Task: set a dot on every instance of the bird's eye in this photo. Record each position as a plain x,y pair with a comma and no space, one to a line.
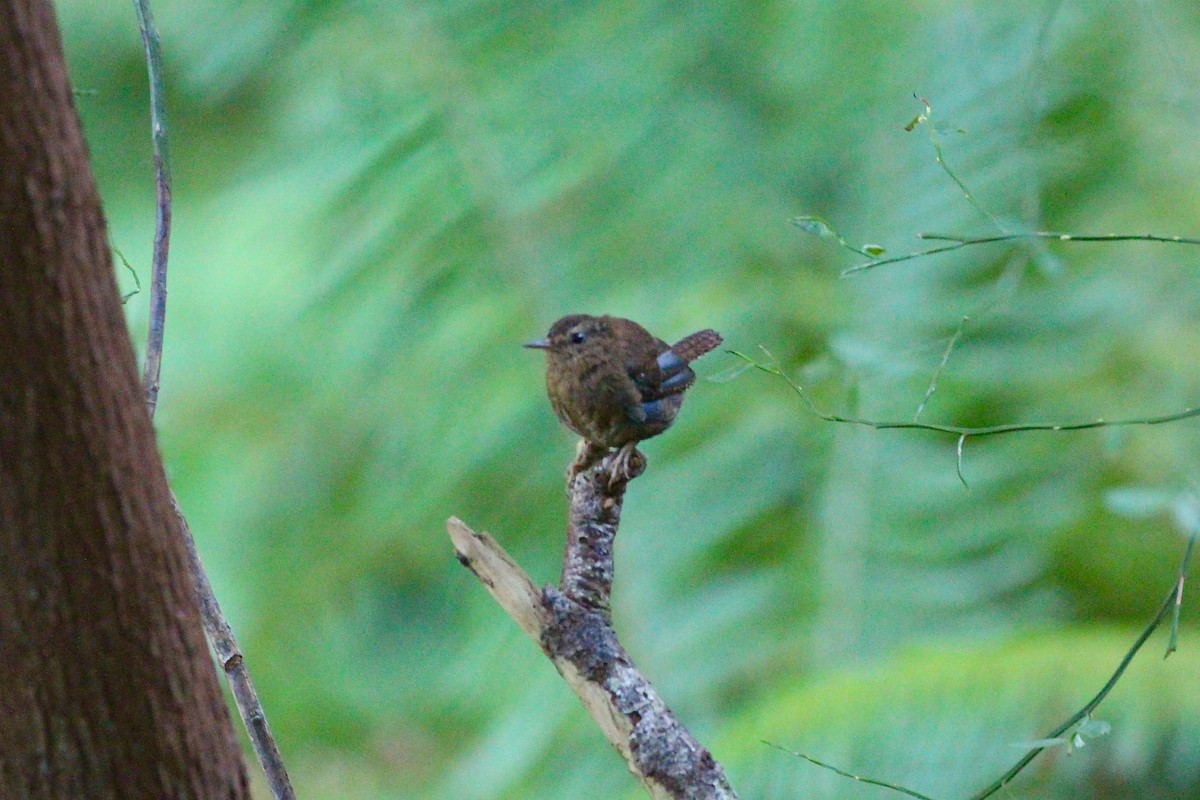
577,337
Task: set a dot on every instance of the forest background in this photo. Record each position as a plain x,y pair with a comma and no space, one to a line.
376,203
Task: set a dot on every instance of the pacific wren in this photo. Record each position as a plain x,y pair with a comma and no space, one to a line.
613,383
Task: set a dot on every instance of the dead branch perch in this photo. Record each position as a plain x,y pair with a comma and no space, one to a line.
572,626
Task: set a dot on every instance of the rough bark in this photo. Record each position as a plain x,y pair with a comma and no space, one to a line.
573,626
107,688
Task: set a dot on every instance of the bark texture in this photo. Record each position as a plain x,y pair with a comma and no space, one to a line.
573,626
107,689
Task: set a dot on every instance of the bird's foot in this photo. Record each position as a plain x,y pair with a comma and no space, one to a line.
623,465
626,465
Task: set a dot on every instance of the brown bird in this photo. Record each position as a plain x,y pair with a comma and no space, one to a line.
613,383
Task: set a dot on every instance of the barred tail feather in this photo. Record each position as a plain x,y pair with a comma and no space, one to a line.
689,348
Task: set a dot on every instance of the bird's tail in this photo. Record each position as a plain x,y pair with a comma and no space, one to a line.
689,348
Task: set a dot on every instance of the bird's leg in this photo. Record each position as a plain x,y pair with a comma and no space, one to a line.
627,464
586,454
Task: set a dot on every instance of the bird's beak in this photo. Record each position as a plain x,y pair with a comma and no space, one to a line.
538,344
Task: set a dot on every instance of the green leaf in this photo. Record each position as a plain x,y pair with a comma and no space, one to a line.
1092,728
815,226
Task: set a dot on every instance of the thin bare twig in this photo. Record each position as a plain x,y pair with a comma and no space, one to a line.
572,626
162,183
216,627
220,636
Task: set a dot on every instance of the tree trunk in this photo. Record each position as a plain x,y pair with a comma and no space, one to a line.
107,689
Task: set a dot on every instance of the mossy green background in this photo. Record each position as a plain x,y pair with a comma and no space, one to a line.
376,202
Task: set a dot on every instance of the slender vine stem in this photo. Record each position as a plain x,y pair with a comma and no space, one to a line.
964,430
959,242
895,787
1168,607
1169,603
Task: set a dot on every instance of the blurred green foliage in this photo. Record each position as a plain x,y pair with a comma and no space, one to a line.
376,202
